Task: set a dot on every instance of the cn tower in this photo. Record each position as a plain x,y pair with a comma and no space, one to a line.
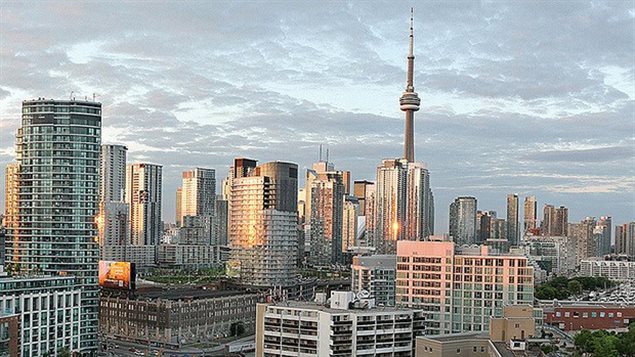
409,101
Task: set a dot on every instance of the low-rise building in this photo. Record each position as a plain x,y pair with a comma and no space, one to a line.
612,269
9,335
188,256
347,326
172,318
375,274
47,310
141,255
506,334
574,316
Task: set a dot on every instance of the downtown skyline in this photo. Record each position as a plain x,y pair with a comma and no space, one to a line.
501,111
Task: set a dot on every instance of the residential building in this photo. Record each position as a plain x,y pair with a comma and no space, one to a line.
48,313
179,200
325,213
58,150
583,234
513,233
263,222
556,255
188,256
484,225
112,169
460,289
530,222
198,193
360,189
171,317
615,270
463,220
375,274
144,195
602,235
555,221
220,222
10,342
348,326
141,255
350,214
625,239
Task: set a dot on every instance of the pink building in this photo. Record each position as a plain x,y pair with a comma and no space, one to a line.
460,289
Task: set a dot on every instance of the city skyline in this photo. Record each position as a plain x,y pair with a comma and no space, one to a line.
561,126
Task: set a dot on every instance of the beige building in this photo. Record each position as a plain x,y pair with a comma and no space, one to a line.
506,334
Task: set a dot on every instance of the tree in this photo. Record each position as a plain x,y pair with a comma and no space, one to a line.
64,352
575,287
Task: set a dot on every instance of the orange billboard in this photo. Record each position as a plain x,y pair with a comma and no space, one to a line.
116,275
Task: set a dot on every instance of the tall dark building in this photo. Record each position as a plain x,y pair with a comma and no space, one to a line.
513,233
58,147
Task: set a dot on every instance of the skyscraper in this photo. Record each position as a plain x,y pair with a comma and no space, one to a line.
561,226
326,206
602,234
390,203
350,215
530,214
263,222
582,233
114,214
420,203
57,199
112,167
512,219
463,220
359,190
144,195
555,221
179,215
198,192
625,239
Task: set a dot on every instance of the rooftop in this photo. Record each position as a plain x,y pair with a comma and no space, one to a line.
186,293
458,336
321,307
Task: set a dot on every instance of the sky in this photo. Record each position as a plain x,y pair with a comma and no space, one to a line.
527,97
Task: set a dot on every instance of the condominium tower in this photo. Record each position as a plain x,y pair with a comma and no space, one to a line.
57,199
513,234
114,214
263,222
530,214
463,220
198,193
144,194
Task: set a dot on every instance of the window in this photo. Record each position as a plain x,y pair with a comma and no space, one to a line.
602,314
619,314
458,350
558,314
567,314
610,314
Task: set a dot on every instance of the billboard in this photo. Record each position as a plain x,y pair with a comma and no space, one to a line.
117,275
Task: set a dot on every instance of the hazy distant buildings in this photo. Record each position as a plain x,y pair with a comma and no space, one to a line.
263,222
350,214
513,234
583,234
555,221
179,199
58,151
463,220
530,214
144,194
625,239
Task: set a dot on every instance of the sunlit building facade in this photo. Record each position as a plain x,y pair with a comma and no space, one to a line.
143,194
54,230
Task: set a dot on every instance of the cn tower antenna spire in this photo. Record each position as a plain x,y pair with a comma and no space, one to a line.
409,101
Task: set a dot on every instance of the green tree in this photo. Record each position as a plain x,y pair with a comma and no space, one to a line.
575,287
64,352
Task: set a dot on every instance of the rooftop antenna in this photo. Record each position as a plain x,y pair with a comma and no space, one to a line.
93,96
320,159
71,96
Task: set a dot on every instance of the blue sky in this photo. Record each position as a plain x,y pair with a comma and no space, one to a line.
526,97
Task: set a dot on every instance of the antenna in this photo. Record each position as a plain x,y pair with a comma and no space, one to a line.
320,159
71,96
93,96
327,155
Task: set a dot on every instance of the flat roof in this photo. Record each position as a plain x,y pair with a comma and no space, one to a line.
457,336
182,293
321,307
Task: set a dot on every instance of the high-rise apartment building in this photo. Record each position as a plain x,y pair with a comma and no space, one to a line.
179,214
57,200
263,222
11,195
324,209
198,192
113,221
530,214
360,188
112,169
375,274
602,235
625,239
555,221
459,290
583,234
390,203
463,220
419,203
144,184
513,234
350,214
484,222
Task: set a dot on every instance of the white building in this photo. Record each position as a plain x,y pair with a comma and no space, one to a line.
198,193
49,313
611,269
377,275
141,255
345,327
555,254
188,256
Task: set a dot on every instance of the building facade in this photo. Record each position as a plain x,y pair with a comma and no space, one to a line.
580,316
625,239
459,290
188,256
344,328
54,230
198,193
530,213
612,269
463,220
513,232
144,184
263,223
375,274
